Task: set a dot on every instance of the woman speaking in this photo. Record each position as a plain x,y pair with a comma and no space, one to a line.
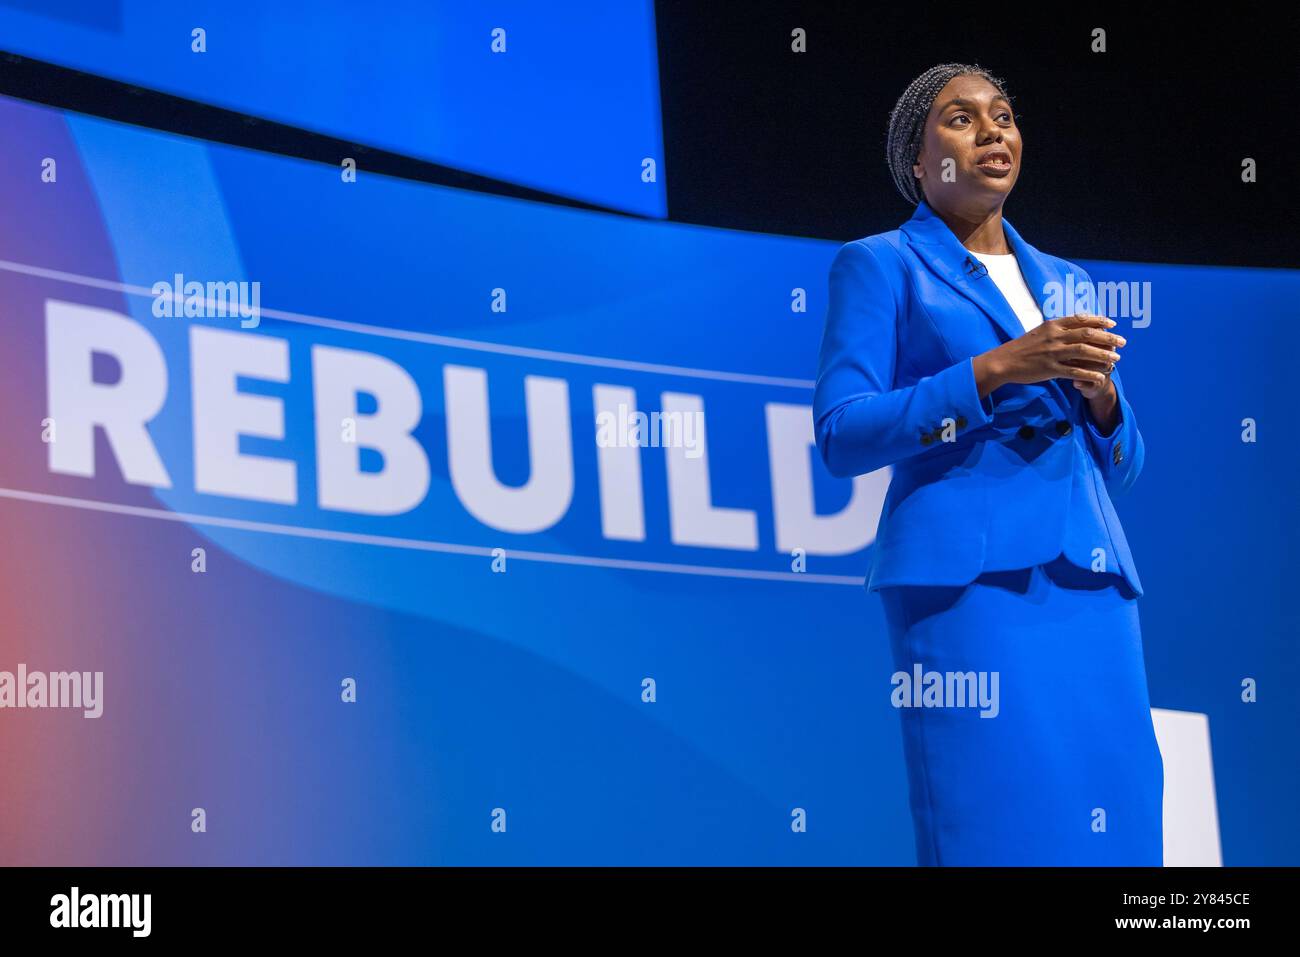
999,556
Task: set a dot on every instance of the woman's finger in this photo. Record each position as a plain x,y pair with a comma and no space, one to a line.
1093,336
1087,355
1075,371
1082,319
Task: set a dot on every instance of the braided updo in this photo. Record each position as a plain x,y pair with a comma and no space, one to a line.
907,121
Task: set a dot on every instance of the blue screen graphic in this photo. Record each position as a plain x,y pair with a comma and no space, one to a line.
563,98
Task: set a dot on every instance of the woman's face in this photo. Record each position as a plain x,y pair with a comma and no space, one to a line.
972,126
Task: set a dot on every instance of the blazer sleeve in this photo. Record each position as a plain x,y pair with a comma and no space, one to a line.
861,421
1120,453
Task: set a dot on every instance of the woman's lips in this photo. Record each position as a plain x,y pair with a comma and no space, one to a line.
998,166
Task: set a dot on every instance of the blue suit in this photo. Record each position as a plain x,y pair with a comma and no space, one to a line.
1010,481
998,554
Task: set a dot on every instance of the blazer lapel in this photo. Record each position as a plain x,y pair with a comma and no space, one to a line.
940,249
1041,276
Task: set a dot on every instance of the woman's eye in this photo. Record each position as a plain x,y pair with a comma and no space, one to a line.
960,116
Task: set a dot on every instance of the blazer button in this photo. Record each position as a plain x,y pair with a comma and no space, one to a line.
1062,427
927,438
961,421
1026,432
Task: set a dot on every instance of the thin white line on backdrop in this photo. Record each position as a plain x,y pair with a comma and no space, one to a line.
415,544
452,342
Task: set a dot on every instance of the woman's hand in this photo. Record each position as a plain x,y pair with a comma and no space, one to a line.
1093,390
1072,347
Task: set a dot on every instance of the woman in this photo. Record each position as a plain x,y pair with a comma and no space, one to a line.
999,558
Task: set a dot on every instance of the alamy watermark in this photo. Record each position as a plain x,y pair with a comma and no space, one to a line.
74,909
627,427
214,300
1115,300
946,689
57,689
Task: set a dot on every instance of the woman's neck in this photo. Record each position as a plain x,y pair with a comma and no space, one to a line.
980,234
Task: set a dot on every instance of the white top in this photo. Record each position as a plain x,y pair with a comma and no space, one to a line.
1005,271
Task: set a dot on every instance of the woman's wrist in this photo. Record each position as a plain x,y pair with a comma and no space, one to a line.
989,374
1104,409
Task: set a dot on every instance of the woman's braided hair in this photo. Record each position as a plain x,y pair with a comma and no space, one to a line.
907,121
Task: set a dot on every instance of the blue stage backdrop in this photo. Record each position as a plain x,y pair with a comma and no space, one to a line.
558,97
564,650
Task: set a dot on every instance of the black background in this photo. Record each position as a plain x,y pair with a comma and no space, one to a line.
1133,154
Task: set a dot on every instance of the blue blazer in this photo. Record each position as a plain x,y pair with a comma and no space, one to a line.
1008,481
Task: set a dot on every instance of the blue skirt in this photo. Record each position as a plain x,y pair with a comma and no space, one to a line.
1063,768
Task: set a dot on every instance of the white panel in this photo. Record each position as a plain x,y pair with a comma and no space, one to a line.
1190,810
